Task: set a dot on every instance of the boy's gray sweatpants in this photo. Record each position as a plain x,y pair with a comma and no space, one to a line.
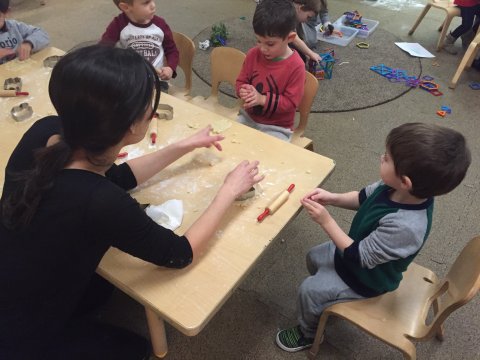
323,288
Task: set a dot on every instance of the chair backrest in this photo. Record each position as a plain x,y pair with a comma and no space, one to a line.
186,49
309,92
459,286
226,64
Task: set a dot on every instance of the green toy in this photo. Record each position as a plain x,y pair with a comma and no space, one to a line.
219,35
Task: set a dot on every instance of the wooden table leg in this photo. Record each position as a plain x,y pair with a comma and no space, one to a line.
158,336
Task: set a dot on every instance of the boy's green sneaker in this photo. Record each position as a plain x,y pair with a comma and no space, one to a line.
293,340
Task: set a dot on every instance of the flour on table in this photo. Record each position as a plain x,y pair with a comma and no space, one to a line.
17,65
207,158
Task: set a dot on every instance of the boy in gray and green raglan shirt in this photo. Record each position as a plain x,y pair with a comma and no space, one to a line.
393,220
18,39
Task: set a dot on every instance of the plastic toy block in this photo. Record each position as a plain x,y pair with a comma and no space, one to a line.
446,109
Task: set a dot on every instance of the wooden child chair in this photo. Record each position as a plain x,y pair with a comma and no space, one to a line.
451,11
403,315
186,49
226,64
309,92
467,59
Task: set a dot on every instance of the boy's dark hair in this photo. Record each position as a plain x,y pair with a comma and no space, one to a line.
4,5
274,18
310,5
117,2
435,158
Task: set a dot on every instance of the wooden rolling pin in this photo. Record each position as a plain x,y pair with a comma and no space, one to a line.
12,93
275,205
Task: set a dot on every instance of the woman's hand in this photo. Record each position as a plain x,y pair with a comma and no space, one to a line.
242,178
316,211
321,196
203,138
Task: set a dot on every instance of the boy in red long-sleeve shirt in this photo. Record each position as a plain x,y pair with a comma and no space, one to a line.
272,78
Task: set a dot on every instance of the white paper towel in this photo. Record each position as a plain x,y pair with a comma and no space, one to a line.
169,214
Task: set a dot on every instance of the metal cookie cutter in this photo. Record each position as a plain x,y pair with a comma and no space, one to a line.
51,61
21,112
13,84
164,111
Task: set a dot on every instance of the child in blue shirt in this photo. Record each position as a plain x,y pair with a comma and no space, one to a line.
18,39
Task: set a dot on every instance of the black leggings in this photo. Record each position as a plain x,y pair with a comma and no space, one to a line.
85,338
468,16
90,340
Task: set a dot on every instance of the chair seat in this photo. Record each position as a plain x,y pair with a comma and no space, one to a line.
399,309
302,141
404,315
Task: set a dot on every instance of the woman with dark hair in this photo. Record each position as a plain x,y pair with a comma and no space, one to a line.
64,203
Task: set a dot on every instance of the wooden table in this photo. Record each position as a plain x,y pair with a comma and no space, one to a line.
190,297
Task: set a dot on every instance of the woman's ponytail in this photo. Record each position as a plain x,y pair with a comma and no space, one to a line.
20,206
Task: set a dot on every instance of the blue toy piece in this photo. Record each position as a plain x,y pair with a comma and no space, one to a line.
381,69
326,64
316,69
475,85
446,109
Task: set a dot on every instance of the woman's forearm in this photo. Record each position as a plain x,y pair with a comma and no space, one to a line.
144,167
205,226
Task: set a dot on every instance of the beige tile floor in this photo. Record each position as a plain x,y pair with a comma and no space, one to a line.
245,327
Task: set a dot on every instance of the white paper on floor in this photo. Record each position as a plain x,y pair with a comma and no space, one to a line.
395,5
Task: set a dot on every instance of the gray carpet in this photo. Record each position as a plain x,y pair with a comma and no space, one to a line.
353,85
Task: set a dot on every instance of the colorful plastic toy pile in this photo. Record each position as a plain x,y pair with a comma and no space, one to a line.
354,19
399,75
323,69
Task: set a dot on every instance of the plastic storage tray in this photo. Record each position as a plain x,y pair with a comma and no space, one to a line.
371,25
348,35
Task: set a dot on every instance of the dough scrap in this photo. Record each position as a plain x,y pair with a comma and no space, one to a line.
221,125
